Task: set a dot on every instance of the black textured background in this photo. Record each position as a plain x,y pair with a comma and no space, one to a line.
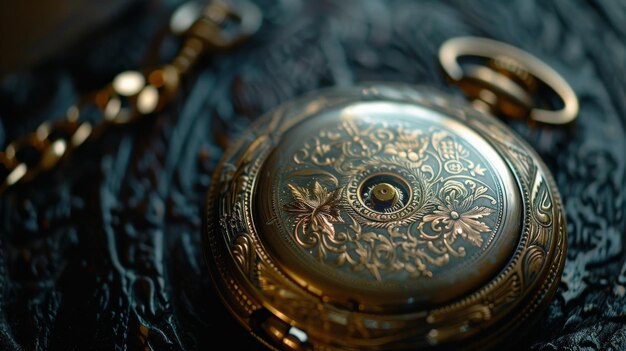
104,252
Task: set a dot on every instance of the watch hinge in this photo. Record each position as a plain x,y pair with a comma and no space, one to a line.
279,333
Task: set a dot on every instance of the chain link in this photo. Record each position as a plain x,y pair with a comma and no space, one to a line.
132,95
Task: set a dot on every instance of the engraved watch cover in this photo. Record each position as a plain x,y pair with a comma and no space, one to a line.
383,215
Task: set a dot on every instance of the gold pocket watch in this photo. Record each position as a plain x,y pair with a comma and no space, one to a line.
393,216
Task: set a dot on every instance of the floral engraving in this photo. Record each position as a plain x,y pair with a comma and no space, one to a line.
447,206
456,215
318,211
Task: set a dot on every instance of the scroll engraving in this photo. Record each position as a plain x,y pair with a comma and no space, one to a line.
387,200
441,198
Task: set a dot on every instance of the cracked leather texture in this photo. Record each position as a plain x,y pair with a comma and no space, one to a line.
105,252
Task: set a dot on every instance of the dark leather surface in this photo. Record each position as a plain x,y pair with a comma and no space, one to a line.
105,251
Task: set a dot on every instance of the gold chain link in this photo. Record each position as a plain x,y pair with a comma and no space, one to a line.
131,95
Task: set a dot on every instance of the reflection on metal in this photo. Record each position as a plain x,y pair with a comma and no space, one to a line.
384,216
128,83
512,75
147,99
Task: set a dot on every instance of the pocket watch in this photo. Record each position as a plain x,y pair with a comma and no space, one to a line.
379,216
393,216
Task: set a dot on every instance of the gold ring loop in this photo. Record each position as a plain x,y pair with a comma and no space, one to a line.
452,49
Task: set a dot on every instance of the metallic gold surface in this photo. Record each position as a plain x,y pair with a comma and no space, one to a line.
511,76
318,213
385,216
